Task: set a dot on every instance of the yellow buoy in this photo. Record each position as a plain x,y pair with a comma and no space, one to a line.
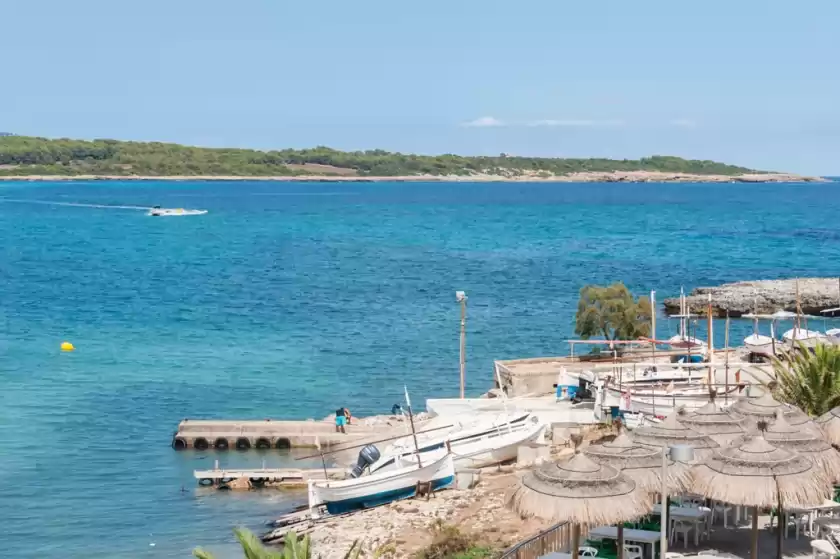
67,346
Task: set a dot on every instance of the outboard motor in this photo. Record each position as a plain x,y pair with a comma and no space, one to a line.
367,456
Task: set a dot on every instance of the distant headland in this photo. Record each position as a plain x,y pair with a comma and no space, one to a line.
31,158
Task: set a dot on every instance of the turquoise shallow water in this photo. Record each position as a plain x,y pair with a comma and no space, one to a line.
288,300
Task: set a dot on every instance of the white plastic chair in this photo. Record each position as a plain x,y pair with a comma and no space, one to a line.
681,528
721,508
586,551
633,551
798,519
704,525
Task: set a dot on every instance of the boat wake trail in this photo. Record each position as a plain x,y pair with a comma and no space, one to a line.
75,205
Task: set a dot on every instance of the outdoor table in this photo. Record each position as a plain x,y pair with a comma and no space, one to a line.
685,513
630,535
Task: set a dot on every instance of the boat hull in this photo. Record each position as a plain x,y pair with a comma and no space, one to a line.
381,488
808,338
489,450
760,345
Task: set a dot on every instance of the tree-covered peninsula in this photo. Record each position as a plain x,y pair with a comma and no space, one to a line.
30,156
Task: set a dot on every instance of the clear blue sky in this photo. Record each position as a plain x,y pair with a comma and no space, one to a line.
755,82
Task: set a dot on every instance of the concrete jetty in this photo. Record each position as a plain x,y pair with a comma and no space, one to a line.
768,296
204,434
220,434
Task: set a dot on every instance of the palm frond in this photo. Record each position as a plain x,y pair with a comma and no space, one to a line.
253,548
202,554
810,381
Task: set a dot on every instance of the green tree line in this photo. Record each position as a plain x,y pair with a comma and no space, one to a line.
23,155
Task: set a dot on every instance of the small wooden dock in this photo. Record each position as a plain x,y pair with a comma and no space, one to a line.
289,477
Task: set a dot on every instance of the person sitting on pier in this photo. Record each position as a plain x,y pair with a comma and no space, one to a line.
340,420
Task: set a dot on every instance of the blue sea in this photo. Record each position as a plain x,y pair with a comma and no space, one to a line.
289,300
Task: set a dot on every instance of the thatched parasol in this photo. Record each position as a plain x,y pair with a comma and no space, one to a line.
642,464
806,443
722,426
582,492
672,432
829,425
752,472
766,406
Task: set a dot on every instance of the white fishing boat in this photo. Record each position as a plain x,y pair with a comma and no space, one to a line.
683,340
757,343
380,488
473,450
660,402
640,375
157,211
459,427
808,338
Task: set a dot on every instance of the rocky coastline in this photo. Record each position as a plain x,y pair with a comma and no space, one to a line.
765,296
529,176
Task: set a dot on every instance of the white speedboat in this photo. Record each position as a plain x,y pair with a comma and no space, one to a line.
808,338
157,211
473,450
380,488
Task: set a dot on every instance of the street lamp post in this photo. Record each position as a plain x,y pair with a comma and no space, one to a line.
461,297
677,453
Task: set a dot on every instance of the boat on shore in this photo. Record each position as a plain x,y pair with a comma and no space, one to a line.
376,489
473,449
808,338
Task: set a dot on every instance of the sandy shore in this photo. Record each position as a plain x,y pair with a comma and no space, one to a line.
632,177
408,525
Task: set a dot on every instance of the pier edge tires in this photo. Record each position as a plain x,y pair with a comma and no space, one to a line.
221,444
263,443
179,443
283,444
243,444
201,444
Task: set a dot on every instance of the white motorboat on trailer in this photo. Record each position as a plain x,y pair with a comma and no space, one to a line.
380,488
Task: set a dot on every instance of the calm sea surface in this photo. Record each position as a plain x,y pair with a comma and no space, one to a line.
289,300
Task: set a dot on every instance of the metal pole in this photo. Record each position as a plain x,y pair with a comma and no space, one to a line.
663,529
726,343
653,325
463,343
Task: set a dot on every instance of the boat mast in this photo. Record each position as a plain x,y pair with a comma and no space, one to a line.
413,432
711,340
726,365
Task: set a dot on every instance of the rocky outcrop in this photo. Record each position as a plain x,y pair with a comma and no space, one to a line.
768,296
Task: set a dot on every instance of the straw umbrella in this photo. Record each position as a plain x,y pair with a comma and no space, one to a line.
754,473
582,492
765,407
722,426
642,464
806,443
672,432
829,425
